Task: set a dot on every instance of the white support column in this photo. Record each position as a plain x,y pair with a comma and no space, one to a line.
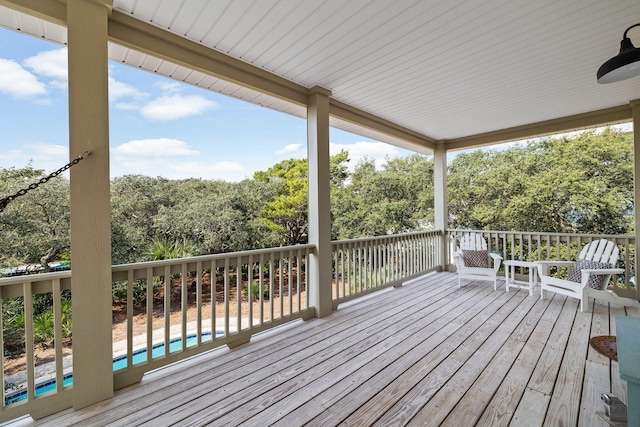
635,105
441,212
90,201
319,266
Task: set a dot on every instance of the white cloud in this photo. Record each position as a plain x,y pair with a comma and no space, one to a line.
18,82
176,107
48,157
159,147
119,90
225,170
169,86
50,63
622,127
131,106
292,150
171,159
377,151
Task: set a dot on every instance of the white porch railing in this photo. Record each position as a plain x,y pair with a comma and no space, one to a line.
364,265
174,309
556,247
233,296
22,391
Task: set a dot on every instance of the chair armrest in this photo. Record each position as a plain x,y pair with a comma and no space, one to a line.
607,272
590,271
557,263
543,266
497,260
458,260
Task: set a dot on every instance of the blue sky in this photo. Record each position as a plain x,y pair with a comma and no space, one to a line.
158,127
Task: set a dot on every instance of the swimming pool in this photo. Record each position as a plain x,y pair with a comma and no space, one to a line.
120,362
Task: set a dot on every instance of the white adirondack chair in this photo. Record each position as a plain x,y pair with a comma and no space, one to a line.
589,275
474,261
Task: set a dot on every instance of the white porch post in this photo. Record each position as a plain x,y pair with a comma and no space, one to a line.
319,265
90,204
635,105
441,211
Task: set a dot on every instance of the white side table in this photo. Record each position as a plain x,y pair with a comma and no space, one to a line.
510,273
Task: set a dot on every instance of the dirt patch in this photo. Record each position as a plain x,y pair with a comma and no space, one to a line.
271,309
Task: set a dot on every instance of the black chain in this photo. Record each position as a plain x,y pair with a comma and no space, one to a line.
4,202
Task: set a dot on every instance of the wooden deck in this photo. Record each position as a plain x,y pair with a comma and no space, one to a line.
427,353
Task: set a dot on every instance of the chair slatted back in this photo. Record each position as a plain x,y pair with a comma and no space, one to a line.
473,241
601,251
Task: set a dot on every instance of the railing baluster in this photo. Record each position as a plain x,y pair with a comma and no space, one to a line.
129,317
250,290
306,280
239,294
290,284
183,305
298,278
167,309
349,257
227,296
337,262
272,267
261,287
149,316
57,332
29,341
199,303
343,255
281,272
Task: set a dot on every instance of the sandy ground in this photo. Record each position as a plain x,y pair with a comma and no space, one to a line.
139,323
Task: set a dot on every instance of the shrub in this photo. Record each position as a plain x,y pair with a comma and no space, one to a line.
255,291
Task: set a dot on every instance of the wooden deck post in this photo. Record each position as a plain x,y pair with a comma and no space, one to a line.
635,106
441,211
90,204
319,266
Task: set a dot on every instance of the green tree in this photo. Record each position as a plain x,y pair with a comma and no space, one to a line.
287,214
135,202
34,227
393,199
578,185
217,216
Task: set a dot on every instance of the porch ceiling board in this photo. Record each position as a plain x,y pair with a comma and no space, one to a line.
460,71
447,70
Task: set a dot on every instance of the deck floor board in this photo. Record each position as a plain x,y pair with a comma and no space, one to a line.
426,353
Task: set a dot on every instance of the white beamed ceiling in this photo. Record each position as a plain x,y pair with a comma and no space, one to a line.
443,69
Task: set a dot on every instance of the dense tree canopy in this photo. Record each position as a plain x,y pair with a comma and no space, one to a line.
582,185
396,198
286,214
34,228
201,216
577,185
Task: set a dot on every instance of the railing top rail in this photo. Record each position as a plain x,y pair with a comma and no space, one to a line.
39,277
599,236
386,236
162,263
43,277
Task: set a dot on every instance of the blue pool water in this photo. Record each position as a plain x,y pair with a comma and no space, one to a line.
120,362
